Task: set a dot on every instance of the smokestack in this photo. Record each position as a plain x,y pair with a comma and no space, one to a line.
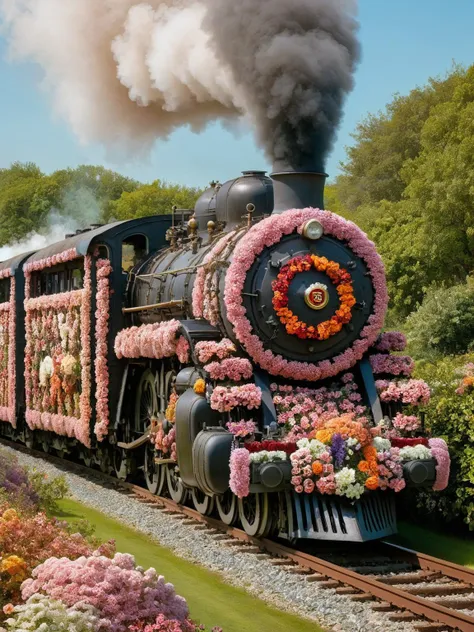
297,187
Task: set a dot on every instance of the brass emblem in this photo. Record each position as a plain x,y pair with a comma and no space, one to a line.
316,296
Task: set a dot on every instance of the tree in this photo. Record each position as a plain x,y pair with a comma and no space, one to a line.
157,198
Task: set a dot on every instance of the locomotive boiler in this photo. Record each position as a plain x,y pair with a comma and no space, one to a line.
226,353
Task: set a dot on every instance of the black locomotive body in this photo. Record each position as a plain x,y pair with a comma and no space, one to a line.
129,285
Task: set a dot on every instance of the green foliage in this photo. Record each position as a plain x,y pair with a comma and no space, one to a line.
453,418
49,490
444,323
157,198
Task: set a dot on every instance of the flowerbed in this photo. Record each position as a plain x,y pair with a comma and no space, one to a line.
52,579
7,356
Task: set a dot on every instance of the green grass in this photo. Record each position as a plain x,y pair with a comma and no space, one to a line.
447,547
210,600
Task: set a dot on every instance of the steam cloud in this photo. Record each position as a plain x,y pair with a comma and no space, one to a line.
124,73
79,209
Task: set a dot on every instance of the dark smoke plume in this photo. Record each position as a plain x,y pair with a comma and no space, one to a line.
293,61
125,72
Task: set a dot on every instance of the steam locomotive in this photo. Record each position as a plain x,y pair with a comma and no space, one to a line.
170,345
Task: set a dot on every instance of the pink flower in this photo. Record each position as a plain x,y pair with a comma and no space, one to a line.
205,350
440,452
393,365
241,428
407,423
8,608
391,341
308,486
235,369
224,399
299,489
240,472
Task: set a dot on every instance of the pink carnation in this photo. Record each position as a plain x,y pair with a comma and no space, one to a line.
439,450
391,341
240,472
235,369
393,365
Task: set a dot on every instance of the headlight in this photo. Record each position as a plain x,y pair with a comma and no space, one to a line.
313,229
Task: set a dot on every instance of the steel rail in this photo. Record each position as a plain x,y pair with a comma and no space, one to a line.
398,598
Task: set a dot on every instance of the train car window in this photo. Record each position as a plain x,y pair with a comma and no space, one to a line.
4,290
102,252
77,279
133,250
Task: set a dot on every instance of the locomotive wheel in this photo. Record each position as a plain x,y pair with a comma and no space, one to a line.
255,515
146,402
155,475
176,489
203,503
227,507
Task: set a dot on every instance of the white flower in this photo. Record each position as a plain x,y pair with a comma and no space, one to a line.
382,445
354,491
413,453
265,456
68,364
345,477
46,370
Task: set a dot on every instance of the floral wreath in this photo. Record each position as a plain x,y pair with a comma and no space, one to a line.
341,279
269,232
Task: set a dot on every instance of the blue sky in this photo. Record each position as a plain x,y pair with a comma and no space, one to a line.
404,42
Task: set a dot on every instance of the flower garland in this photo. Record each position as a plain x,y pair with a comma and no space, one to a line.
440,452
7,355
269,232
391,364
48,262
224,399
341,279
413,392
206,350
236,369
102,314
157,341
205,278
58,335
240,472
391,341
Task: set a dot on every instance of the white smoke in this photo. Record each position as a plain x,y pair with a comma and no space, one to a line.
79,209
124,72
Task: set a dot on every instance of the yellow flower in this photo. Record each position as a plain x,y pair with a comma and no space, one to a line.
324,436
200,386
9,514
13,565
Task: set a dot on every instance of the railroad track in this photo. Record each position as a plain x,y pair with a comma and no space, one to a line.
432,594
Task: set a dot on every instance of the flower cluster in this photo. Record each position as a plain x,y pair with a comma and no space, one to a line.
58,360
182,350
390,470
49,262
104,270
440,453
413,453
235,369
224,398
42,613
206,350
240,472
393,365
268,457
120,591
241,428
301,410
158,341
270,446
413,392
7,356
406,423
467,382
391,341
269,232
341,279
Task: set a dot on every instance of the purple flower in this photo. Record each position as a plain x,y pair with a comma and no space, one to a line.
338,449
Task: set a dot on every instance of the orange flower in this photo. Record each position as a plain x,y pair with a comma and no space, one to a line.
372,482
363,466
324,436
317,468
199,386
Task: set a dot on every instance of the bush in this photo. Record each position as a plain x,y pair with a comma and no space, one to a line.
44,614
444,323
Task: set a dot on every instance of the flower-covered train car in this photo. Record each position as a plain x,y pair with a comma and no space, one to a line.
240,367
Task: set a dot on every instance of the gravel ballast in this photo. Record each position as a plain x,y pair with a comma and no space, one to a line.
259,577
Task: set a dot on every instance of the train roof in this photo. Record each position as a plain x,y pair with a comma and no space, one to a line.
82,241
14,262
